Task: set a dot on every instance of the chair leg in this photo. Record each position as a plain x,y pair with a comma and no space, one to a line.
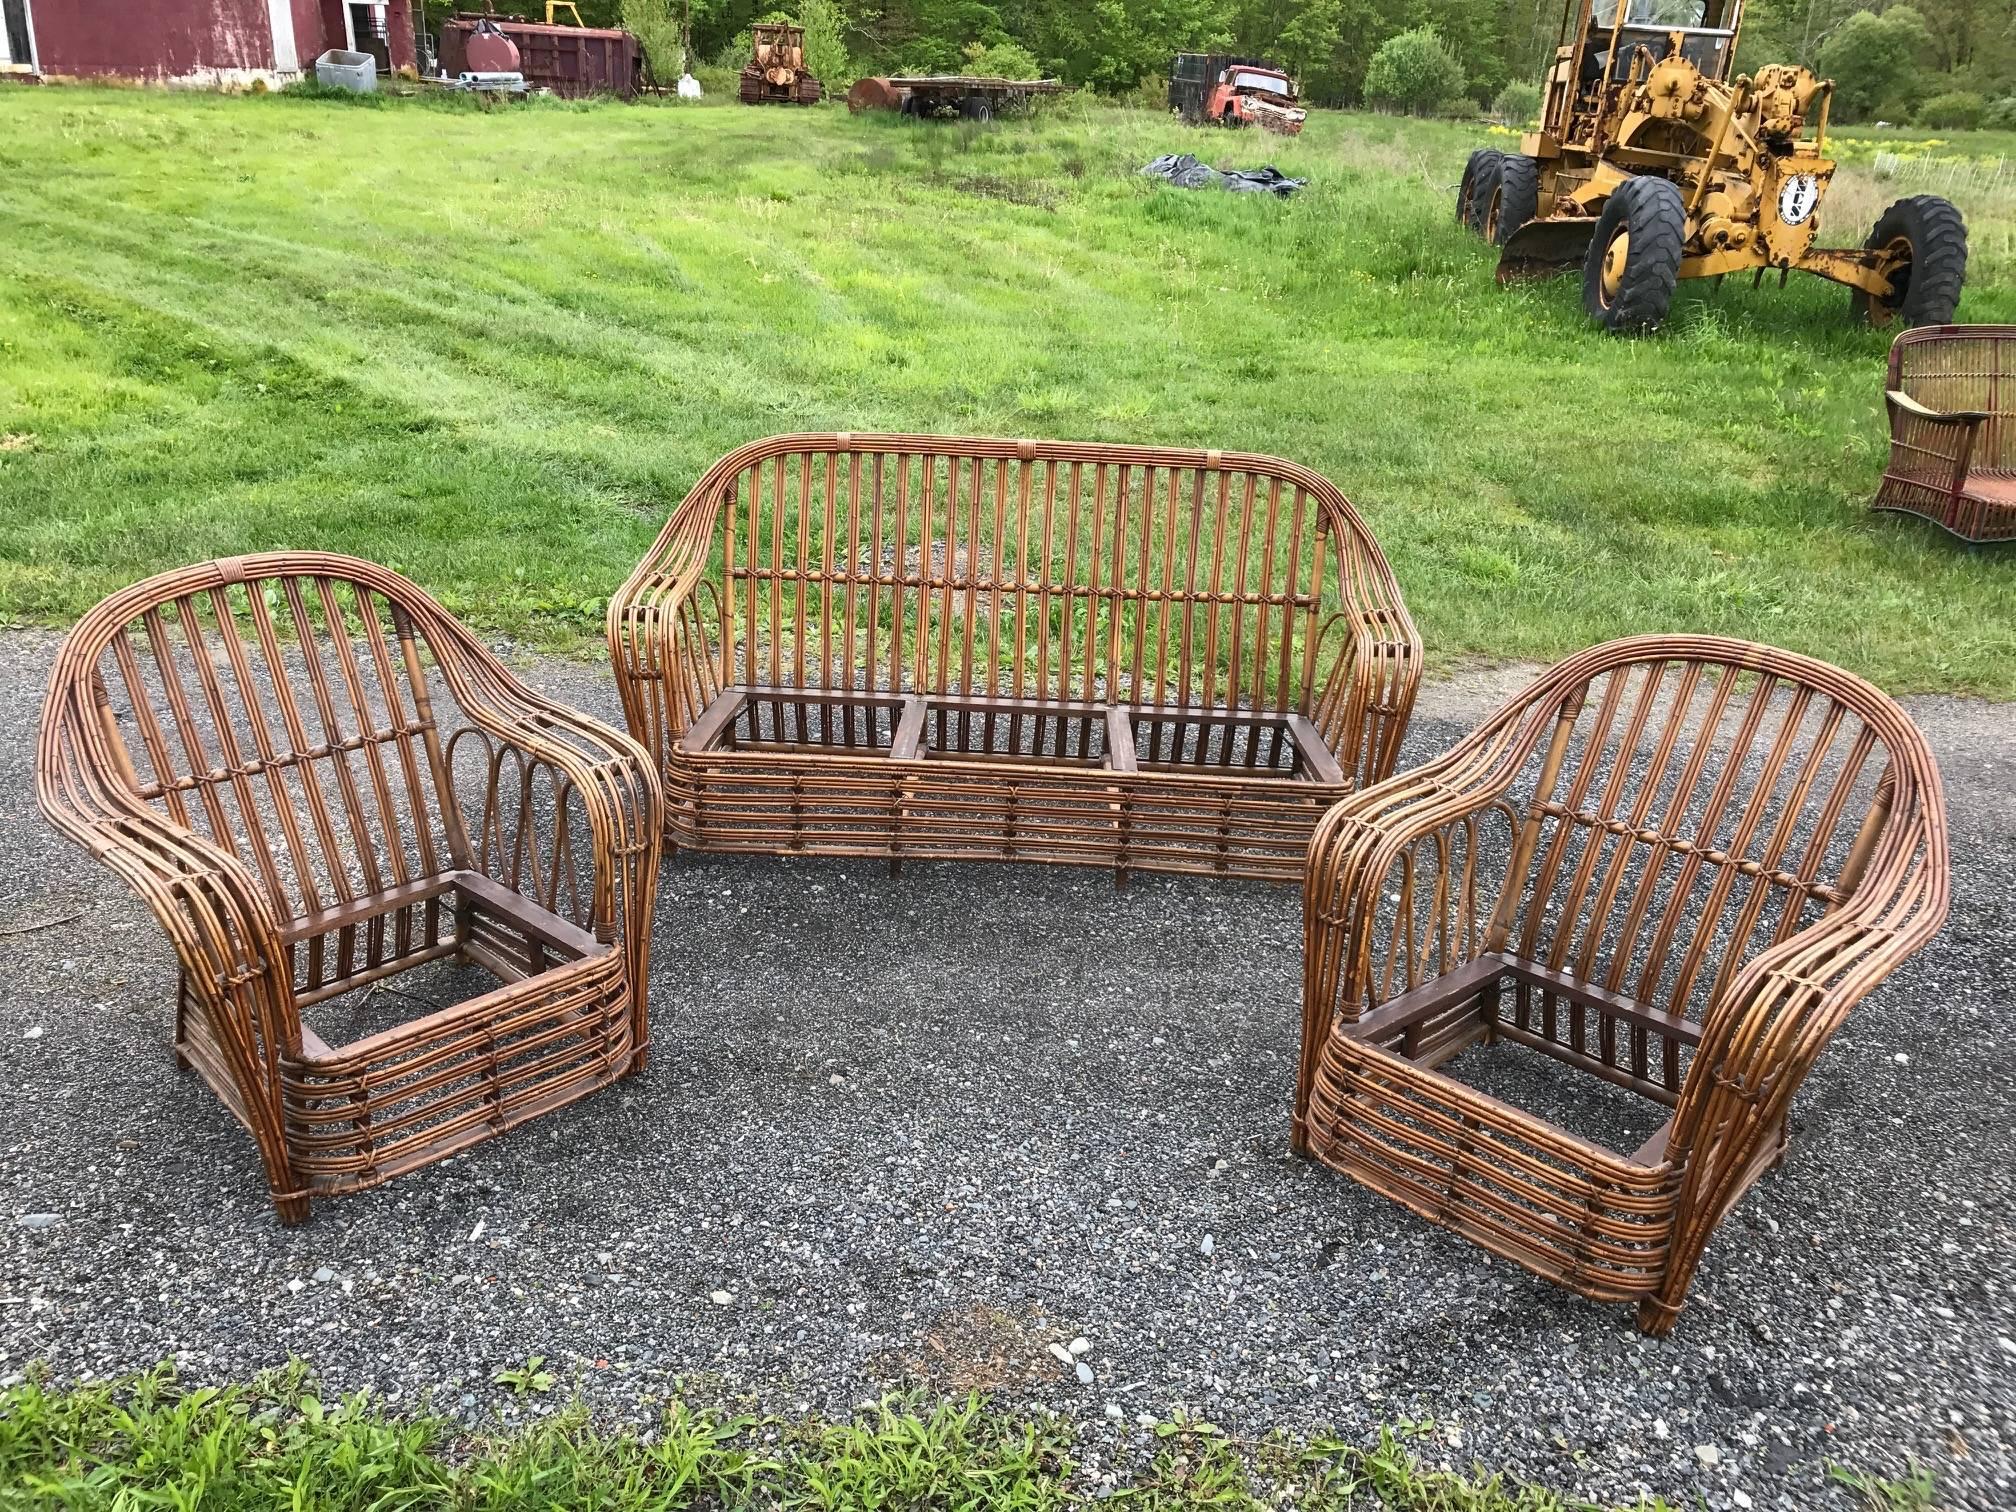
1658,1312
181,1021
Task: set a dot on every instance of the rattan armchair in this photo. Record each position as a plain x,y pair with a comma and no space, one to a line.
953,648
1672,864
1952,403
318,781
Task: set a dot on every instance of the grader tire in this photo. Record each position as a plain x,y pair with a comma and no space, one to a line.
1933,237
1633,261
1480,178
1517,200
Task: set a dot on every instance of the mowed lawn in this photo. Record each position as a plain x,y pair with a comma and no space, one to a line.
493,349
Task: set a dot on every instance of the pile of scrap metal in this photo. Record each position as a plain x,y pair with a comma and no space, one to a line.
943,97
1184,171
475,54
776,73
571,61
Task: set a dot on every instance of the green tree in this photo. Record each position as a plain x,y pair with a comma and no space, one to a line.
1874,60
1414,71
826,54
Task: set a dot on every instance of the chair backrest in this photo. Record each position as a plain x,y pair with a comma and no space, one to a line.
1035,569
1971,367
1689,802
285,707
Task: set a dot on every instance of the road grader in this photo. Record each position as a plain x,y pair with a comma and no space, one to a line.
1652,164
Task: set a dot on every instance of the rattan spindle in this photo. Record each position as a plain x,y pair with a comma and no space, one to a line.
934,646
1672,864
318,781
1952,403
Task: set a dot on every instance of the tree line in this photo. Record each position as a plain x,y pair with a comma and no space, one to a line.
1896,60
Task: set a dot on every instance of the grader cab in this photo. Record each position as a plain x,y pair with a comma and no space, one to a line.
1652,164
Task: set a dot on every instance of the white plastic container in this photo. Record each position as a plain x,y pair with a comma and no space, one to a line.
339,69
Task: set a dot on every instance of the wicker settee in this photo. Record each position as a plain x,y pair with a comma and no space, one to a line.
938,647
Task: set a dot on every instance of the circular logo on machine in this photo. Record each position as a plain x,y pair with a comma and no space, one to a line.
1801,192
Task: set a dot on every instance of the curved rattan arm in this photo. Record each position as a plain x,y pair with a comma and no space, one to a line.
1967,419
1763,1036
617,781
226,936
1356,848
656,644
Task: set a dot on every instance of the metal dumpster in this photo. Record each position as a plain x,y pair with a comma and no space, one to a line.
569,60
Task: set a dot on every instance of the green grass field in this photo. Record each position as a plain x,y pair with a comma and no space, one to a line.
492,349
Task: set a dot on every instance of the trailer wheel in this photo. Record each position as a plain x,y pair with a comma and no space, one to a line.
1928,237
976,108
1480,182
1633,261
1517,199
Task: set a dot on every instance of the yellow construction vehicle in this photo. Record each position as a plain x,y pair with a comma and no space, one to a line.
1653,164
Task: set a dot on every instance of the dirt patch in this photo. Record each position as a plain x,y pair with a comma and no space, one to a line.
977,1347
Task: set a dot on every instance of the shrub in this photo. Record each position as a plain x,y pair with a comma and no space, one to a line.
2001,116
1955,110
1413,71
1518,103
1003,60
651,23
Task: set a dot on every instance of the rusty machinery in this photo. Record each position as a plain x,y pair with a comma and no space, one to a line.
776,72
1653,164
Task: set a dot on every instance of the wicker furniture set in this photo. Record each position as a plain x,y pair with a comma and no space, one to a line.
1671,865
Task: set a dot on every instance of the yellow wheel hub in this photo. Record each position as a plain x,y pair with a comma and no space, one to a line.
1614,258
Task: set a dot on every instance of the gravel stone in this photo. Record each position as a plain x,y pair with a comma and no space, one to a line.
945,1215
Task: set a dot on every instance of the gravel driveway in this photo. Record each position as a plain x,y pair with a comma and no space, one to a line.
917,1129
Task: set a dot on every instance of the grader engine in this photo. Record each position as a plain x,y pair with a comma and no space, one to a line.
1652,165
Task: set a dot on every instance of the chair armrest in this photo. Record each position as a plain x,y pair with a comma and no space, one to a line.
223,927
657,640
617,782
1900,400
1761,1038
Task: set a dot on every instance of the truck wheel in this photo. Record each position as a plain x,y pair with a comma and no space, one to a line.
1480,182
1927,233
1517,199
1634,257
975,108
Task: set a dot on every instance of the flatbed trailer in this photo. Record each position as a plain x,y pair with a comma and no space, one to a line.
972,97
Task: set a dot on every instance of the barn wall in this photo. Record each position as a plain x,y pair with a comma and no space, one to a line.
157,39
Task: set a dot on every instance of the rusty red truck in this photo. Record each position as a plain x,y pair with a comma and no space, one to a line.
1217,89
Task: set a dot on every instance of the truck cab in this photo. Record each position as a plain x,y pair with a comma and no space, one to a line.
1212,89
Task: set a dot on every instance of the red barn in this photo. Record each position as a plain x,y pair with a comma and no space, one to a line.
205,42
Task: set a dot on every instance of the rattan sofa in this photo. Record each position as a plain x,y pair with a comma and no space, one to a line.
319,782
940,647
1672,864
1952,403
